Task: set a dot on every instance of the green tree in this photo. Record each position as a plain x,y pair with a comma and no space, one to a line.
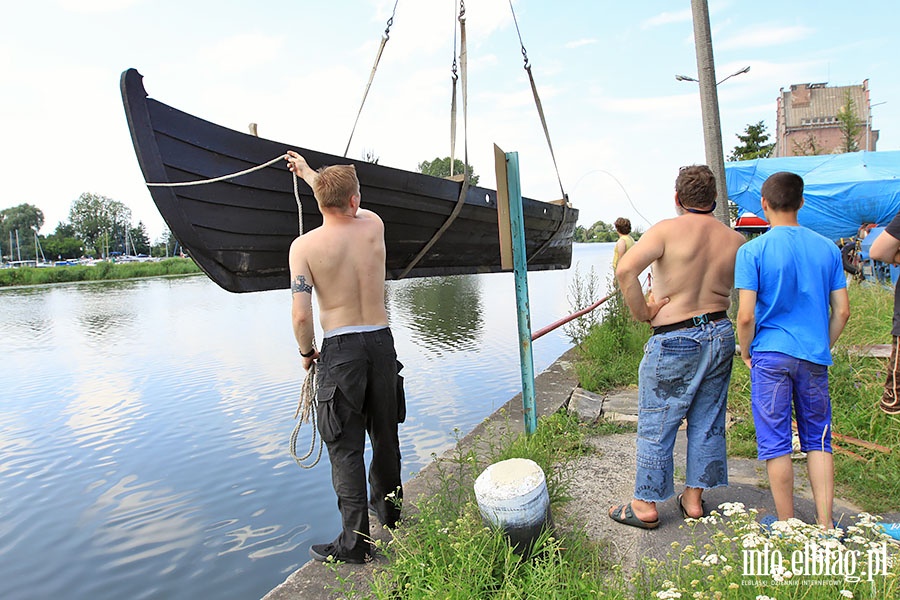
139,239
850,124
63,243
27,219
100,221
753,144
440,167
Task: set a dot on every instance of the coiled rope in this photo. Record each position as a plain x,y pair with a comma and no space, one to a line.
306,410
306,405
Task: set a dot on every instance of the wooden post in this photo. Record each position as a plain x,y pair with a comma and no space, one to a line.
520,269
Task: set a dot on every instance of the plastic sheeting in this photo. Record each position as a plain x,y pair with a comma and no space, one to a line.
841,191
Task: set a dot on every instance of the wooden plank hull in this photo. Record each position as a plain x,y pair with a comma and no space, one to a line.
239,230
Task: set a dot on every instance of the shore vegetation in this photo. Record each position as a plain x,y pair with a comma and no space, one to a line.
100,271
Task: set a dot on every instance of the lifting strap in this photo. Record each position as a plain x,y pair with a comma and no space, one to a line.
540,109
453,77
384,40
464,190
537,101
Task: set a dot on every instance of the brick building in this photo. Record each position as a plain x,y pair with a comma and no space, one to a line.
807,118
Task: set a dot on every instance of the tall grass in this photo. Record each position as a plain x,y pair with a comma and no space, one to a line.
100,271
612,350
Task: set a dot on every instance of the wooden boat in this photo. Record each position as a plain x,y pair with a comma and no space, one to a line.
239,230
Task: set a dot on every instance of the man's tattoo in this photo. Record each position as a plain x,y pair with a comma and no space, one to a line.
300,285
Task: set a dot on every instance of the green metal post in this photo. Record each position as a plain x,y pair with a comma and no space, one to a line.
520,269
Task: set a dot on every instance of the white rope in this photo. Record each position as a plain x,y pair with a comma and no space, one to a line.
238,174
306,410
217,179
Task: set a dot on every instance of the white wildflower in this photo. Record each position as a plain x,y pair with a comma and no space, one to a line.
729,509
846,593
752,540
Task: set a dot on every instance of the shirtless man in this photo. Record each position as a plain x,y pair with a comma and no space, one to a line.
686,367
359,387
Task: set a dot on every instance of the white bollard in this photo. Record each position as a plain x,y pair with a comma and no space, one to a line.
512,494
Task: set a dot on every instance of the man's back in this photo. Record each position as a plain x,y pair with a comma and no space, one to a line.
346,258
693,265
795,270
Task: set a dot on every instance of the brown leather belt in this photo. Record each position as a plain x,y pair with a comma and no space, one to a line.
692,322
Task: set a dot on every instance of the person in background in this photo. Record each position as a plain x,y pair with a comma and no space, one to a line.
886,248
359,386
793,306
686,367
625,241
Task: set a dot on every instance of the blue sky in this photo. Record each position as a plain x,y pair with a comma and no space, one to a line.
620,123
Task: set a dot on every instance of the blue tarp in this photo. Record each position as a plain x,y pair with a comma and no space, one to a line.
841,191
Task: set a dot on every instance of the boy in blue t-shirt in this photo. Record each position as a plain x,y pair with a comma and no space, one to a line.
793,306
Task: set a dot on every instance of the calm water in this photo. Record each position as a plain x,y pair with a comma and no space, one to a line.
144,425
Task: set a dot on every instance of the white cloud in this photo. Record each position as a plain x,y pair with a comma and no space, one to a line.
96,6
658,107
764,37
581,42
666,18
243,51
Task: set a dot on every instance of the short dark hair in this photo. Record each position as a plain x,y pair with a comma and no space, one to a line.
783,191
623,225
696,186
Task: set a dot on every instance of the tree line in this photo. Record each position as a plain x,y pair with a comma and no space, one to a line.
98,227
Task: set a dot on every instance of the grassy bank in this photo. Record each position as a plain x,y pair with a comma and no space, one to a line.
868,478
444,549
100,271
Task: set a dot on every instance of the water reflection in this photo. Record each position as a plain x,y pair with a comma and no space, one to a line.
144,425
141,521
103,408
442,313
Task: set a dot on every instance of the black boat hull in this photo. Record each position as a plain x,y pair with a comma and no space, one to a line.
239,230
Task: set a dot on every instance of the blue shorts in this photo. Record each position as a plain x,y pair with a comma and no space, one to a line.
778,382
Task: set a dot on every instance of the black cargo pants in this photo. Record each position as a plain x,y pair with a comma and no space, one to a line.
360,391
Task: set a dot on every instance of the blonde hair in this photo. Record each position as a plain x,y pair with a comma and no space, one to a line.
335,185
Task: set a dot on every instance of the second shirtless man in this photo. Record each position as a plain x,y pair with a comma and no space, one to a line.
687,361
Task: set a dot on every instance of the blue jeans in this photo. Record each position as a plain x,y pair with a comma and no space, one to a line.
684,375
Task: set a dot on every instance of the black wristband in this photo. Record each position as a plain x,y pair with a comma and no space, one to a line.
308,354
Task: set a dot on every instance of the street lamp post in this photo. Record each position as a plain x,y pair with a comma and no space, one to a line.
741,72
